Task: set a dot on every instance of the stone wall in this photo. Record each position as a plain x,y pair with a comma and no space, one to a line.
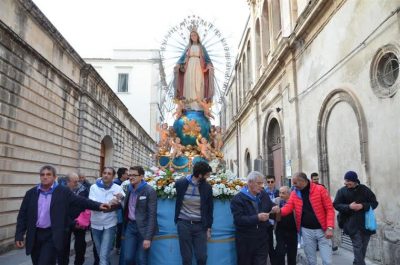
54,109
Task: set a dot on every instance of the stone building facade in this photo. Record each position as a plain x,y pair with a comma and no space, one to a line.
54,109
315,89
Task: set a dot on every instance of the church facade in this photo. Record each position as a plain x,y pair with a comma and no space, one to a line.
315,89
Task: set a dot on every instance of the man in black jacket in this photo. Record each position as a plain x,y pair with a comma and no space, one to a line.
44,217
194,213
352,201
251,213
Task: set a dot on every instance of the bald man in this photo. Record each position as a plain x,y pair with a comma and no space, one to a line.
72,182
285,232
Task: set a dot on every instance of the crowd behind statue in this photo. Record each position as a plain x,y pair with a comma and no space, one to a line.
263,214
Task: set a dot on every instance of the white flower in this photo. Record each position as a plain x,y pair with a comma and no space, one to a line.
215,192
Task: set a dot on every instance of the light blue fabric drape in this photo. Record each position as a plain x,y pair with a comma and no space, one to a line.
221,248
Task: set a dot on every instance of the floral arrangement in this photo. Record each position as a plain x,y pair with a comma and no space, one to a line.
225,185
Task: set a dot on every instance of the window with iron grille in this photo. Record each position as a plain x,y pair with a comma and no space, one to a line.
384,73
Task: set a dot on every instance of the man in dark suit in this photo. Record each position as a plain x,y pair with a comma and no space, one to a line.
44,217
194,213
140,218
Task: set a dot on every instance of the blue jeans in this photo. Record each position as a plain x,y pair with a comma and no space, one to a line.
104,239
312,238
132,246
192,236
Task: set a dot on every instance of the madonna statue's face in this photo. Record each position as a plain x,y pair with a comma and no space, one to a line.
194,37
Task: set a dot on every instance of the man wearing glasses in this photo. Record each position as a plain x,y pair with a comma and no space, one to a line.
140,219
273,193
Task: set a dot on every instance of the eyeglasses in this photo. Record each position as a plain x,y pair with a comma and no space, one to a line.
133,175
270,181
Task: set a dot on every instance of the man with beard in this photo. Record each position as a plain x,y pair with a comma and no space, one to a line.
194,213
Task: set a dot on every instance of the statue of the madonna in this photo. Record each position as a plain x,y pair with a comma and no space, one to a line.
194,74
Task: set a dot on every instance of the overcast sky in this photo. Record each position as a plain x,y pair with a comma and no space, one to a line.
95,27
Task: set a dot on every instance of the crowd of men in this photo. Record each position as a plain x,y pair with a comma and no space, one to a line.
52,211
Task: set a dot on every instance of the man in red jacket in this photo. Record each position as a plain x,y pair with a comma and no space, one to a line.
315,217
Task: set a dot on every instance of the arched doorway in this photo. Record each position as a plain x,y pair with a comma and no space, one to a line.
341,150
274,151
351,147
106,153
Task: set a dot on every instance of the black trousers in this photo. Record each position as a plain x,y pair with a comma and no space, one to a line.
43,252
79,246
360,243
252,250
192,238
286,244
271,250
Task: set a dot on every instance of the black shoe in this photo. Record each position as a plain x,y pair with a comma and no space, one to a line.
335,248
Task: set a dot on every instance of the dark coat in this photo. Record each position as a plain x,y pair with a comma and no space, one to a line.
61,201
206,200
145,211
245,215
351,220
286,223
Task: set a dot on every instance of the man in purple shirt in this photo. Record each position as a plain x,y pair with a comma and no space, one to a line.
43,217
